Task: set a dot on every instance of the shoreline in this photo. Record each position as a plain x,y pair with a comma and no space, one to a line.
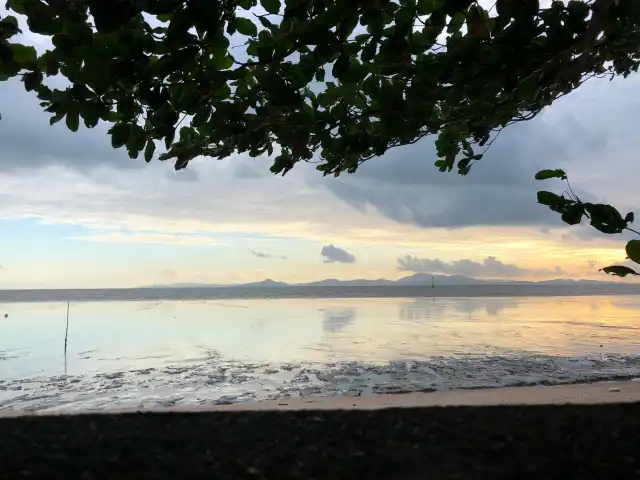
219,381
597,393
609,392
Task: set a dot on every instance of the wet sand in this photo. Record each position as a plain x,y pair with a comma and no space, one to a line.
610,392
578,394
219,381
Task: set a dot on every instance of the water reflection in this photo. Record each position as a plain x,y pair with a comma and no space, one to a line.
626,303
335,320
427,308
112,336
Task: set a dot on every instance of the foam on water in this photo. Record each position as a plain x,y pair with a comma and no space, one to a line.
220,381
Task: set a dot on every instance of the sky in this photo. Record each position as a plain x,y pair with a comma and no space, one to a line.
75,213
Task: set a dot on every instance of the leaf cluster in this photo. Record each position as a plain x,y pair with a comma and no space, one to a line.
344,81
603,217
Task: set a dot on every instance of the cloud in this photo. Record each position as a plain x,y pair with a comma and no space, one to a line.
333,254
52,175
266,255
184,175
248,172
490,267
151,238
500,190
28,141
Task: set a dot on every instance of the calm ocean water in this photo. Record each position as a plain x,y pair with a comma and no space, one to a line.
164,352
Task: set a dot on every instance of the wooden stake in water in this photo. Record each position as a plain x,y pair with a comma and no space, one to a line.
433,282
66,336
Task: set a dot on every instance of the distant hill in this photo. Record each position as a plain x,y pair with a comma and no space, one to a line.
334,282
417,279
266,283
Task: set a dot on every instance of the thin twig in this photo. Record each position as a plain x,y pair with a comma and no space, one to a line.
66,337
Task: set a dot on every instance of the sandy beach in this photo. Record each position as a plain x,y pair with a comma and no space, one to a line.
579,394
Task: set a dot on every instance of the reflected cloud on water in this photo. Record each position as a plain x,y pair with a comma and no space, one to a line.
430,308
335,320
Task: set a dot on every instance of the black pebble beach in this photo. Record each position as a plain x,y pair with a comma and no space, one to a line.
542,442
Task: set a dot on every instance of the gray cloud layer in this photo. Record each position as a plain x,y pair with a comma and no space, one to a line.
500,190
490,267
334,254
580,133
28,141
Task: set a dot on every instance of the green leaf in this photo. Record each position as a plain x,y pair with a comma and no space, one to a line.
48,63
359,102
9,27
426,7
442,165
548,198
572,214
266,23
31,80
91,114
119,134
282,164
271,6
222,62
404,15
41,18
73,121
546,174
341,66
246,27
633,250
457,20
605,218
463,166
369,51
17,6
23,53
618,270
56,118
149,150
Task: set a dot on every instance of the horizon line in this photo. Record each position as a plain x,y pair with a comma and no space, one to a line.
310,284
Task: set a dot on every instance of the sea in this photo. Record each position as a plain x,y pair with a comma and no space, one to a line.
87,350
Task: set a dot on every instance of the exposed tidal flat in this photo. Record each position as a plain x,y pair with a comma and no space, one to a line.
149,354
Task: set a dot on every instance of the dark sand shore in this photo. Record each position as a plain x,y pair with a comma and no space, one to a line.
566,436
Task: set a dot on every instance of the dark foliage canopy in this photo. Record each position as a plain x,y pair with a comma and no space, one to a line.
335,82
